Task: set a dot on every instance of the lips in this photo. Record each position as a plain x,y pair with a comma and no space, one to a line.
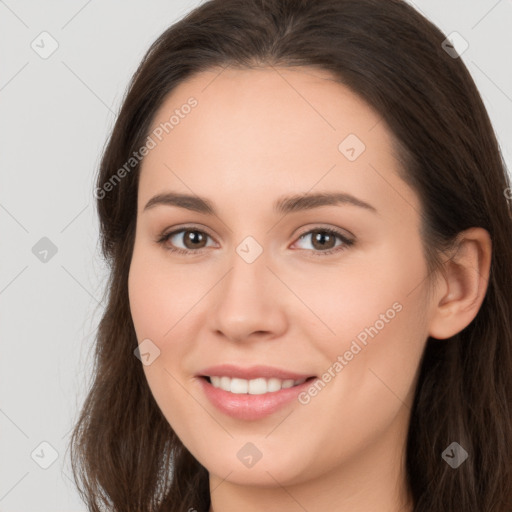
250,373
252,403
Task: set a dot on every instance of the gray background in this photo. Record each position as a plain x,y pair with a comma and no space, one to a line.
56,114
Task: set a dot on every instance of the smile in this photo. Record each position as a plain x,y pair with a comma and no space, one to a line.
251,399
258,386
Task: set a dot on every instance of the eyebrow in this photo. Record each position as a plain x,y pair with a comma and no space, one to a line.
283,205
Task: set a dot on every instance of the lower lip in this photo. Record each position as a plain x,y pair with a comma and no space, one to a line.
251,407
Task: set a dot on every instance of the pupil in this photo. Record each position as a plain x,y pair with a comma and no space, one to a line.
320,236
194,236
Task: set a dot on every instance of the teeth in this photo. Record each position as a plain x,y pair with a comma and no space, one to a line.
258,386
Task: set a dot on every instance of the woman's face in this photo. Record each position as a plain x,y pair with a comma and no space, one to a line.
263,288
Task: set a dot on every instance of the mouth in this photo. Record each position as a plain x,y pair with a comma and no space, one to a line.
256,397
257,386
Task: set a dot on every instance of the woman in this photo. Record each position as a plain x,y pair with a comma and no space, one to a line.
305,211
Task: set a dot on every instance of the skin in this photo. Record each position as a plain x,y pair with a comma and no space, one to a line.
255,136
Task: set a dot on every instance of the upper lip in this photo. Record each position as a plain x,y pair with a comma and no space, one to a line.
252,372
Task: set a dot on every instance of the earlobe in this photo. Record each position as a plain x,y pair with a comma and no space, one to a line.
466,276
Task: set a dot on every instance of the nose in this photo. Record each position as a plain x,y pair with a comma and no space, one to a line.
249,302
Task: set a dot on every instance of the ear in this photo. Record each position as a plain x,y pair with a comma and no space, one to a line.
464,283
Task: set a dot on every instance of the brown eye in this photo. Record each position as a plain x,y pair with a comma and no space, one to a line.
192,241
324,241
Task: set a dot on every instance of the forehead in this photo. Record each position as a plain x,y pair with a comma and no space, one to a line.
290,128
250,96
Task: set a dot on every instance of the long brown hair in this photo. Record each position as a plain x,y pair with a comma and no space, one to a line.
125,456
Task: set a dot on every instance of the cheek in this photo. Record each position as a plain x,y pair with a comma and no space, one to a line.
380,329
372,295
159,294
165,304
157,304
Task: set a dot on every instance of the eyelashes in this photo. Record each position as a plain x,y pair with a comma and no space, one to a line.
165,239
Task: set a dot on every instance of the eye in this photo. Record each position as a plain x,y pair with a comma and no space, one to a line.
194,240
324,240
